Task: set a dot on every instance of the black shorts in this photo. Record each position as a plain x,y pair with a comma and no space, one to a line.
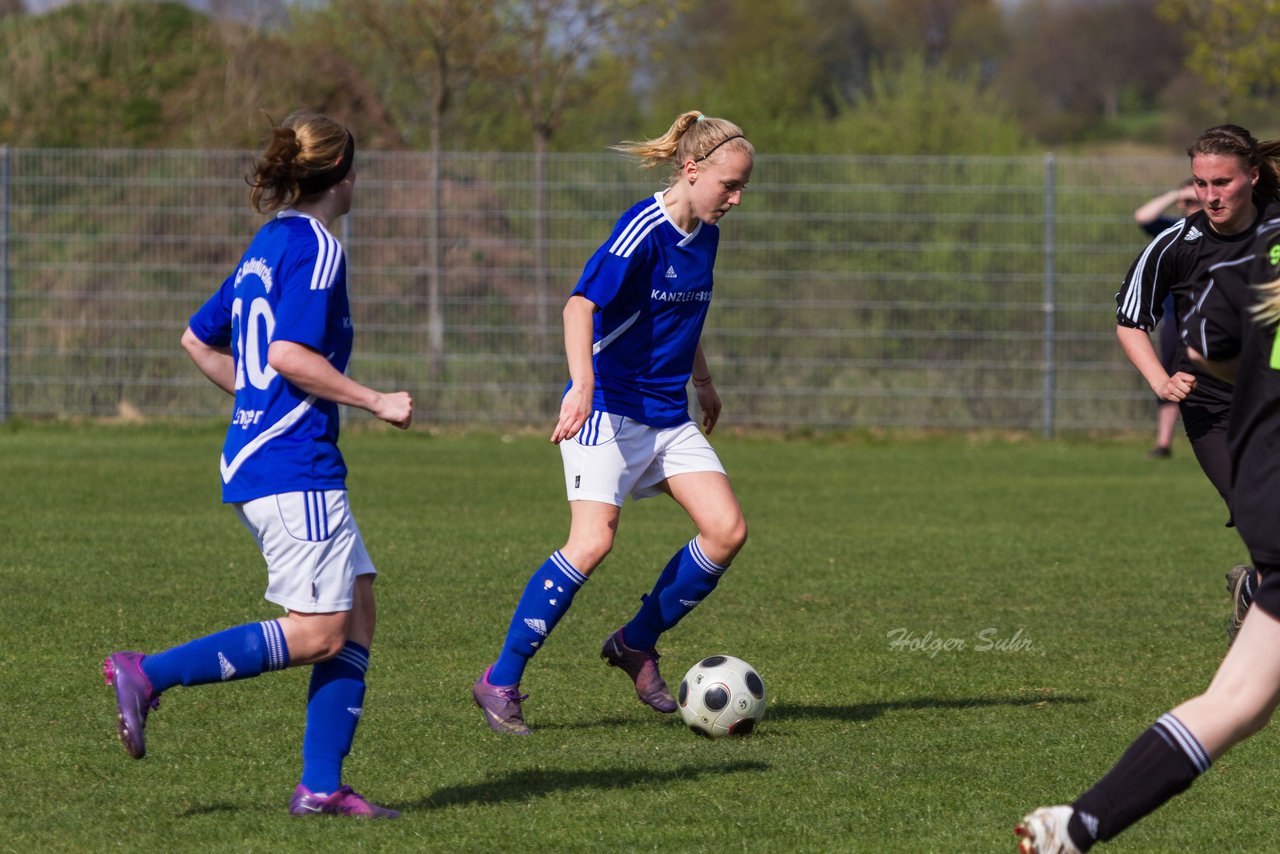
1206,426
1267,596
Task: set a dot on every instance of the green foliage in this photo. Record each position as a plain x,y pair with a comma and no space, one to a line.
101,74
1233,47
147,75
917,110
572,75
751,62
113,537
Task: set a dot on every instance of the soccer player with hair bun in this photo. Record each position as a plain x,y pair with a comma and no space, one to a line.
1231,332
1237,184
277,337
632,328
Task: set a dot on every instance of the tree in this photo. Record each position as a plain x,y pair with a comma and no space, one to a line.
916,109
957,34
1077,66
1232,47
431,46
767,65
547,53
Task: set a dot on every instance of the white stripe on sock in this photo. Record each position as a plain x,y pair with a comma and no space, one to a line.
1183,740
703,562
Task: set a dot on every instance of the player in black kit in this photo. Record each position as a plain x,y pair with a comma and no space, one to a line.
1231,331
1235,178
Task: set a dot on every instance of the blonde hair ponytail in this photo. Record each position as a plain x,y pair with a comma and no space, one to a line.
692,136
1267,311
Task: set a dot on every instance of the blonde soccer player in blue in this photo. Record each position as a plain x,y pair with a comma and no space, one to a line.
277,336
632,328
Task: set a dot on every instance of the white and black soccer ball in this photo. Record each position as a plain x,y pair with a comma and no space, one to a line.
720,696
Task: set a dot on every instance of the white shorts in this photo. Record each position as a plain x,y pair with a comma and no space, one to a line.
313,549
612,457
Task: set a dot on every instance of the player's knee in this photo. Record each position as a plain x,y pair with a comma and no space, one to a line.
313,648
1255,720
738,533
329,646
1245,711
586,553
318,638
727,538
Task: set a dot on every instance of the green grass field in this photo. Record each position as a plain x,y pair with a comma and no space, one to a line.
1097,571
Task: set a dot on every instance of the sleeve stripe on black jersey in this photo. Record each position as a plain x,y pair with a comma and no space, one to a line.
636,230
1130,308
328,254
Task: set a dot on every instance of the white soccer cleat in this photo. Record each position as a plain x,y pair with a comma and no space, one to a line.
1044,831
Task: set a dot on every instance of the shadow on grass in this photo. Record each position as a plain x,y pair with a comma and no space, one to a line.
868,711
523,785
642,720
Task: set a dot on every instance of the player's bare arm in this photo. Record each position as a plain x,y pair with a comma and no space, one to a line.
704,386
215,363
311,372
1136,344
575,409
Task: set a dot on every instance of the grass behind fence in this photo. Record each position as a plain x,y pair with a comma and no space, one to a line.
1060,596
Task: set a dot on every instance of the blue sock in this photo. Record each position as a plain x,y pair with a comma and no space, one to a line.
545,600
687,579
334,704
236,653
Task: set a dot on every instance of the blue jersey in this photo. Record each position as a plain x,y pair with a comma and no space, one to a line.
652,284
290,285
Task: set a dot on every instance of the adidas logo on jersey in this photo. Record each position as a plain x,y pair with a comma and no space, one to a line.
225,667
1193,234
539,626
671,272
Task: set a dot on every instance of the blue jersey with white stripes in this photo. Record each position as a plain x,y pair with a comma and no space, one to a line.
290,285
652,284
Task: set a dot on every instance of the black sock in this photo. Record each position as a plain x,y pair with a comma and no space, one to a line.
1161,763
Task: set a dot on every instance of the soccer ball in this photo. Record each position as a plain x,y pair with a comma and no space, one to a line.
720,696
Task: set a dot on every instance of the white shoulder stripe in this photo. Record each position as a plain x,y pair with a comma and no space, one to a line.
636,230
1133,288
640,216
229,469
328,255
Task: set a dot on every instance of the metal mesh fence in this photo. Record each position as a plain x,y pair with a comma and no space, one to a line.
850,291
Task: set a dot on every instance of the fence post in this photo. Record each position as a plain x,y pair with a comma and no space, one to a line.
1050,225
4,282
344,412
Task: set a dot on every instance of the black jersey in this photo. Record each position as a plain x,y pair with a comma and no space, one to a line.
1177,262
1222,327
